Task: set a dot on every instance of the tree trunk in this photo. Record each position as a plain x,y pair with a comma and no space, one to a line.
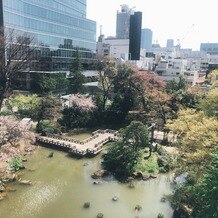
4,90
1,102
150,150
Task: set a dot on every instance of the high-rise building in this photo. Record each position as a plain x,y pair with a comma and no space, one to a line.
59,27
210,48
123,22
170,43
135,36
146,39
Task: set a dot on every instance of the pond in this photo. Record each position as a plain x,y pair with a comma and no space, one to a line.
62,184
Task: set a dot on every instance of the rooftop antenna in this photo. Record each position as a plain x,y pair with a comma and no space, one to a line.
100,29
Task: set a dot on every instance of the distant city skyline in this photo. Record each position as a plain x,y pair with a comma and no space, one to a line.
193,22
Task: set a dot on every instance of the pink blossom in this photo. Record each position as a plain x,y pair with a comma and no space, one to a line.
12,130
84,103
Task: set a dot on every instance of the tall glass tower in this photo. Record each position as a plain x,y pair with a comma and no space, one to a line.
58,28
146,39
135,36
123,22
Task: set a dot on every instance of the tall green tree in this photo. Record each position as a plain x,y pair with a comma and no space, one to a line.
212,79
198,136
107,71
198,198
46,83
76,79
49,108
210,103
173,86
119,95
206,193
123,155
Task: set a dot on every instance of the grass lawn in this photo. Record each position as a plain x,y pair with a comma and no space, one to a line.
78,136
148,165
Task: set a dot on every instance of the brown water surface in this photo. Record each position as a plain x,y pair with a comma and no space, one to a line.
62,184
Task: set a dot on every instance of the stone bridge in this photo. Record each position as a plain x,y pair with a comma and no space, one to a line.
91,146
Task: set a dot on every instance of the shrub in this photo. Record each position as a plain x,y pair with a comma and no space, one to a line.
46,127
16,164
160,215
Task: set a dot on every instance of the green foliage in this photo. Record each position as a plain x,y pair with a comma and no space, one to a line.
123,155
192,126
45,83
121,159
136,135
201,195
49,108
117,97
206,193
51,154
173,86
147,165
121,105
16,164
210,103
182,96
121,81
76,65
212,77
27,105
76,79
46,127
160,215
74,117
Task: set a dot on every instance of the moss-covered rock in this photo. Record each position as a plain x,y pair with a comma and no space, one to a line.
86,205
100,215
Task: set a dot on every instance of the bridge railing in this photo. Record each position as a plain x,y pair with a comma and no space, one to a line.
65,139
99,131
90,138
53,142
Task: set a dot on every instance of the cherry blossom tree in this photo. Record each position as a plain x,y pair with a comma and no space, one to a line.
12,131
83,102
79,114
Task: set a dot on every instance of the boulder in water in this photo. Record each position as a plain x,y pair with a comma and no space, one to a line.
10,189
25,182
99,174
145,176
138,207
100,215
131,185
163,199
2,188
51,154
153,176
183,212
97,182
86,205
2,196
115,198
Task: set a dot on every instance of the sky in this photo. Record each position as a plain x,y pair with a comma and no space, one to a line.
190,21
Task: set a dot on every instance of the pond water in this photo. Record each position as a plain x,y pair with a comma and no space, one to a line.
62,184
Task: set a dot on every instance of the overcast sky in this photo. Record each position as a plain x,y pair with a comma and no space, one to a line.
191,21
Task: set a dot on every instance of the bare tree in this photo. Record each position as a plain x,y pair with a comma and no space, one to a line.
16,53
